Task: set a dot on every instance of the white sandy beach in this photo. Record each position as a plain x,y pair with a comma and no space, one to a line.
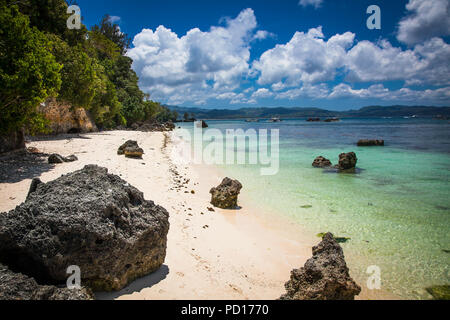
225,254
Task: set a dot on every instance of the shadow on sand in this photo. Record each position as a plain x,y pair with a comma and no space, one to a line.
137,285
22,165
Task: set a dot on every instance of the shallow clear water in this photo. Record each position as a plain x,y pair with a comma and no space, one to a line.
396,210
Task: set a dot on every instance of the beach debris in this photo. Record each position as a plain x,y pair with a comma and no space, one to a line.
321,162
226,194
193,191
131,149
338,239
325,276
88,218
16,286
56,158
347,161
33,150
369,143
440,292
210,209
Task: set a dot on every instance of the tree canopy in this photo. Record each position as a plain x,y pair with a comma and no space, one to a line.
40,57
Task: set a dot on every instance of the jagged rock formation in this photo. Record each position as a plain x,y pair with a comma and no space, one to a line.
325,276
226,194
87,218
16,286
321,162
65,118
130,149
370,143
347,161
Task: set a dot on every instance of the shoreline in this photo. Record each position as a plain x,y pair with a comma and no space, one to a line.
225,254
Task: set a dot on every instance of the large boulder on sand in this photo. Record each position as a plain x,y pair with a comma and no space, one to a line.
321,162
226,194
347,161
16,286
325,276
130,149
87,218
370,143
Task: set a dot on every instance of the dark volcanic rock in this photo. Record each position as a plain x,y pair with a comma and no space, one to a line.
33,186
313,120
16,286
55,158
369,143
130,149
321,162
347,161
225,195
87,218
71,158
325,276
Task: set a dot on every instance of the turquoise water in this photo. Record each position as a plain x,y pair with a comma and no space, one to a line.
396,210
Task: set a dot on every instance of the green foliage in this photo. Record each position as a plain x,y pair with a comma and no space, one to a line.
41,57
113,33
28,71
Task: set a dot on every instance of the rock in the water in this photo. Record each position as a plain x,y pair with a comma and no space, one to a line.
16,286
369,143
325,276
87,218
201,124
55,158
33,186
347,161
440,292
226,194
130,149
321,162
313,120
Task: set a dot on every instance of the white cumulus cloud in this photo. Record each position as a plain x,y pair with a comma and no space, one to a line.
427,19
314,3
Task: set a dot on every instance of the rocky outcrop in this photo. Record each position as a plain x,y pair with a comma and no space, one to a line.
325,276
347,161
321,162
56,158
151,126
370,143
33,186
332,120
313,120
225,195
64,118
16,286
12,141
130,149
87,218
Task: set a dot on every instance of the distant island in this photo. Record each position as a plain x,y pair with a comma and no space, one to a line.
297,112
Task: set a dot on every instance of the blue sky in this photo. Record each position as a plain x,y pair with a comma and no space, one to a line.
305,53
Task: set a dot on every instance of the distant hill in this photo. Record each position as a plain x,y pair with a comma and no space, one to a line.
290,113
